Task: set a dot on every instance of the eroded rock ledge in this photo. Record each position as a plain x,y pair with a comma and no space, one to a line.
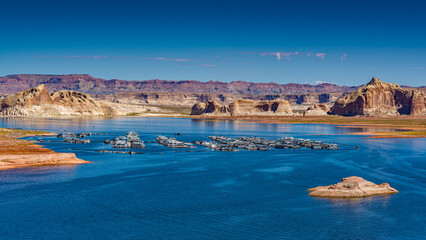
15,153
243,107
352,187
378,98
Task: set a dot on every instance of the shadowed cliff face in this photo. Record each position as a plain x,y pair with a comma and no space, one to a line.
88,84
28,98
379,98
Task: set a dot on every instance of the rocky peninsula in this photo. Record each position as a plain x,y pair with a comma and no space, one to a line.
352,187
38,102
16,153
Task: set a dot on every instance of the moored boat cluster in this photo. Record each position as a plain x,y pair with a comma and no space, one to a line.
173,143
78,138
223,143
131,140
219,143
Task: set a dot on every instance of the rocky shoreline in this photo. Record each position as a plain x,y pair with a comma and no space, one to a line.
16,153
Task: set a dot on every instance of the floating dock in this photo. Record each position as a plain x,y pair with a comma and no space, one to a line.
263,144
131,140
173,143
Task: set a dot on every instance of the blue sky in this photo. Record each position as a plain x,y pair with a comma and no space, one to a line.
342,42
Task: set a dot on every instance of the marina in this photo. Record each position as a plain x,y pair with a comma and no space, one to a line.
218,143
76,140
173,143
131,140
223,143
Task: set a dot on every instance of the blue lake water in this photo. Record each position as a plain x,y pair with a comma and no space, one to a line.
204,194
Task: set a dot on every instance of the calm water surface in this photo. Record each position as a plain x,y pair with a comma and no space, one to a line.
204,194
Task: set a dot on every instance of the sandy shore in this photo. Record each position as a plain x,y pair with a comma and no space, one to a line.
16,153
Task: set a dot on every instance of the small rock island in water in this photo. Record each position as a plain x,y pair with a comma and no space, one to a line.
352,187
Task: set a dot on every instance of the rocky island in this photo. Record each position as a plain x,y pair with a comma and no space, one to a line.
352,187
15,153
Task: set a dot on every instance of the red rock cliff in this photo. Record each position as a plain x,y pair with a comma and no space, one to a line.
379,98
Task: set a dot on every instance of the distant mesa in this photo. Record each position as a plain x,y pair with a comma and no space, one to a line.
376,98
238,98
352,187
379,98
88,84
243,107
38,102
189,99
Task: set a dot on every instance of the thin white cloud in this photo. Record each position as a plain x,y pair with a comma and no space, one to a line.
320,55
288,55
319,82
279,55
176,59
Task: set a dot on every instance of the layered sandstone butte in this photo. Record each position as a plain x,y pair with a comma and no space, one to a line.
189,99
38,102
317,110
243,107
88,84
379,98
352,187
211,107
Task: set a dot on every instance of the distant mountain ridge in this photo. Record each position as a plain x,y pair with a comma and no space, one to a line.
87,84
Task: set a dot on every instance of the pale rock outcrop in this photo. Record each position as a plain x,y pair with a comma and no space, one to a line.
379,98
28,98
317,110
80,103
352,187
211,108
198,108
38,102
37,159
16,153
189,99
243,107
